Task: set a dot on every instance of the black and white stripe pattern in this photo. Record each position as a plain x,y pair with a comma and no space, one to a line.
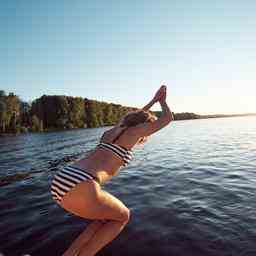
120,151
66,179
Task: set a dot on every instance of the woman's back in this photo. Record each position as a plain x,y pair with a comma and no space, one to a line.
120,151
107,158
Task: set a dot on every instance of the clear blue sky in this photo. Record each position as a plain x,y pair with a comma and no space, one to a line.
120,51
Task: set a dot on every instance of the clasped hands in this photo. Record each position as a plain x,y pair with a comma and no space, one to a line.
160,94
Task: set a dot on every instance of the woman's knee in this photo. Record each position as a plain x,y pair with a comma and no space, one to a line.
112,208
126,216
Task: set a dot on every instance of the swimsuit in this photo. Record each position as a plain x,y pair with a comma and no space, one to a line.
120,151
69,176
65,179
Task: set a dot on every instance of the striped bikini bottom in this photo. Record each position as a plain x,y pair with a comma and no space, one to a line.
66,178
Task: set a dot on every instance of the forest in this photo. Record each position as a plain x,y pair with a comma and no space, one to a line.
58,112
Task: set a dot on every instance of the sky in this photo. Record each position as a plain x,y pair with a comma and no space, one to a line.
122,51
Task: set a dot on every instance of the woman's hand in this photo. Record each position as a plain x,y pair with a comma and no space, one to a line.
160,94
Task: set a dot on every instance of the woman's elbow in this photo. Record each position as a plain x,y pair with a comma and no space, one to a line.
169,117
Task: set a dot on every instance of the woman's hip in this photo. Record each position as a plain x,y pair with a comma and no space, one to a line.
66,179
81,195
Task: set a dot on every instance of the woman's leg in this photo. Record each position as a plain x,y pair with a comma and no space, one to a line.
102,237
83,238
89,201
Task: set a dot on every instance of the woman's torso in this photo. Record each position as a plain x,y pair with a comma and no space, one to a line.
103,163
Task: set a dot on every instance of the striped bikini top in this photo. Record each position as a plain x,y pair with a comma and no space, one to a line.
122,152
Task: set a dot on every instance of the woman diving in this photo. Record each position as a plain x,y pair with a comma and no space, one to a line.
77,187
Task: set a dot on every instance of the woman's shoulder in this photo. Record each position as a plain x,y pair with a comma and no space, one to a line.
128,134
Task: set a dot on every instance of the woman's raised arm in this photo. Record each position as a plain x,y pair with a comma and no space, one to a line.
156,98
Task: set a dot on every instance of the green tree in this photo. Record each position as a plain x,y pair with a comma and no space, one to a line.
12,105
13,123
62,109
35,124
91,113
107,114
77,115
41,126
2,116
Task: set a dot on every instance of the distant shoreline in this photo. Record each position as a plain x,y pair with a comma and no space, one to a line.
59,112
190,115
227,115
194,117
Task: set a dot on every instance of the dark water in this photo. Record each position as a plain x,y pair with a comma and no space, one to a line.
190,188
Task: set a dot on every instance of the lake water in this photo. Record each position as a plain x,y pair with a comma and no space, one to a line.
190,189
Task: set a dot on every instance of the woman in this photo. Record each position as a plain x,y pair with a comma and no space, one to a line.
77,187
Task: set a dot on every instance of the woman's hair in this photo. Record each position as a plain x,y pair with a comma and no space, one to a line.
136,117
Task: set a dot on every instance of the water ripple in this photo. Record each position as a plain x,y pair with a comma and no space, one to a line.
190,189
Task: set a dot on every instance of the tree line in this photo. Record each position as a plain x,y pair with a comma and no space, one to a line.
57,112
